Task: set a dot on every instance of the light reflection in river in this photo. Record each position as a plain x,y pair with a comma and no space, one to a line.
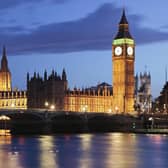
48,152
84,151
117,153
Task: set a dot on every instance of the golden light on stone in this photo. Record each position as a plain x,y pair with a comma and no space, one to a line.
12,105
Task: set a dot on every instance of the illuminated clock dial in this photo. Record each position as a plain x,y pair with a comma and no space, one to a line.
129,50
118,51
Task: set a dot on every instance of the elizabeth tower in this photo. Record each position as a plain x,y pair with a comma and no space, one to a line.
123,68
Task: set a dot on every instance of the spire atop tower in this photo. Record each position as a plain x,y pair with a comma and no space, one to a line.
123,18
4,51
166,74
123,31
45,75
64,76
4,61
5,75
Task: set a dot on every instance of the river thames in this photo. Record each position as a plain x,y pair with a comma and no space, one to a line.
109,150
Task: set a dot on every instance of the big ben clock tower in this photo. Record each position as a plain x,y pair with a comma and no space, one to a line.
123,56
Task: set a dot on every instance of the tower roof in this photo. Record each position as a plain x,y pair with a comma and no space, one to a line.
4,61
123,31
123,18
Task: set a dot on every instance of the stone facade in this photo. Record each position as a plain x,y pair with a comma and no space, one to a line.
48,91
143,92
95,99
9,99
123,56
13,100
5,75
161,102
52,92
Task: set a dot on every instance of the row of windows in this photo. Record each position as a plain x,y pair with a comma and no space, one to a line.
12,104
92,108
12,94
84,102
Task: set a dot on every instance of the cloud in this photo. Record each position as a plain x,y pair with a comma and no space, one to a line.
14,30
94,32
13,3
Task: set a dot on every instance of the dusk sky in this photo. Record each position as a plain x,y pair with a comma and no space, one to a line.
77,35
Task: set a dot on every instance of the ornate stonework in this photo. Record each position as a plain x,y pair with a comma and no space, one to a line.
9,99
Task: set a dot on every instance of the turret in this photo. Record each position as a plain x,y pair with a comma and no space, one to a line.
123,31
34,75
64,76
53,74
4,62
28,78
45,75
5,75
38,76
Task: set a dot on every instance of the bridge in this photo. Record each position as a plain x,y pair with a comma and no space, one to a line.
40,121
47,116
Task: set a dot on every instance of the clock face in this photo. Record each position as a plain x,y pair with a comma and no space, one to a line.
118,51
129,50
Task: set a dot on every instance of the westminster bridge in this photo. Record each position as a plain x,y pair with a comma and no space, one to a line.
43,121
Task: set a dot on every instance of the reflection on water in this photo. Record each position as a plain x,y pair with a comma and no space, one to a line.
48,154
5,132
84,151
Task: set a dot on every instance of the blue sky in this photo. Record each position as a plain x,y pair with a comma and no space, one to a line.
77,35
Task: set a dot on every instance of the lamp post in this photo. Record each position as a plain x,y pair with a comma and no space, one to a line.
13,105
49,106
110,110
46,104
116,109
52,107
152,122
84,109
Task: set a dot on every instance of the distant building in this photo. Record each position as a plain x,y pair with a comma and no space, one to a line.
143,92
47,91
9,99
52,91
5,75
161,103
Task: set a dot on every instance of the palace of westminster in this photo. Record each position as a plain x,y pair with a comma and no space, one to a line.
51,91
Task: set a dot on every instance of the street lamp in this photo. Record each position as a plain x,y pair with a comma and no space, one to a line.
46,104
152,121
109,111
52,107
116,109
12,105
49,106
84,109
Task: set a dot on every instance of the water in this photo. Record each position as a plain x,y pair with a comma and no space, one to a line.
112,150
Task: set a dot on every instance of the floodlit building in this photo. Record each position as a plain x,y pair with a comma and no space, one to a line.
161,103
9,99
52,91
143,94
